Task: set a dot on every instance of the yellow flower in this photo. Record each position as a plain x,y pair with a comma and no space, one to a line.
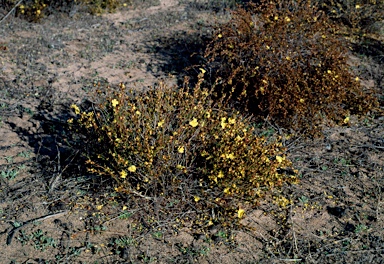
240,213
231,120
227,190
301,100
119,189
196,198
346,120
180,167
132,168
287,19
219,36
202,70
115,102
193,123
123,174
223,124
357,79
230,156
99,207
288,58
160,123
125,207
38,12
282,201
276,17
180,149
76,109
357,6
280,159
70,121
138,113
238,138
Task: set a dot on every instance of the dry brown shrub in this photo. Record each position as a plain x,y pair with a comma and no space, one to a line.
284,60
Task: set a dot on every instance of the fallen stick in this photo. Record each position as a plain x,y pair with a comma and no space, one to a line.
15,229
18,3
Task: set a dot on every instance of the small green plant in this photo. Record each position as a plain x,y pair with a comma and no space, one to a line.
222,234
17,224
181,147
303,200
41,241
99,228
118,245
284,60
23,238
342,161
157,235
125,215
360,228
24,154
124,241
9,173
9,159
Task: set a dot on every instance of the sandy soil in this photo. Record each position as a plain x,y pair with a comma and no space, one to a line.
50,212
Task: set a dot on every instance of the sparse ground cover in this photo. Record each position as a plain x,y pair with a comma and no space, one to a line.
54,211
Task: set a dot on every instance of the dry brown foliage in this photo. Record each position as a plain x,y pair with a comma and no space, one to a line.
285,61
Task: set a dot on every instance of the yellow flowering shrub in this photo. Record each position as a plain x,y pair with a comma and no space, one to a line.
34,10
169,144
358,16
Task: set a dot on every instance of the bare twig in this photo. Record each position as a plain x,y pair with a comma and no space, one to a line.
371,146
14,230
142,196
57,178
356,251
293,230
18,3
